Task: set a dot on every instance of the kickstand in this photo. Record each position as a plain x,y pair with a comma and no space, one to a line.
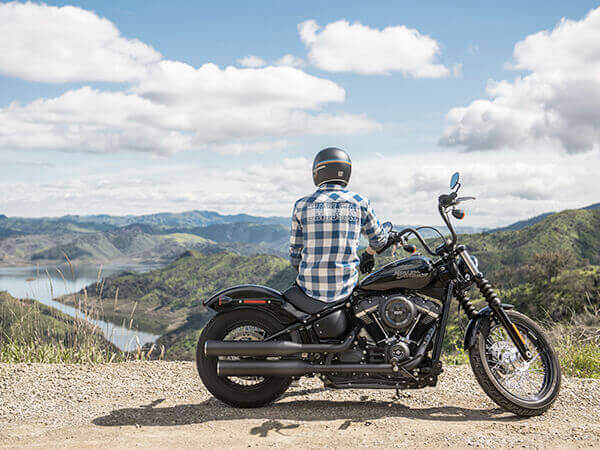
397,393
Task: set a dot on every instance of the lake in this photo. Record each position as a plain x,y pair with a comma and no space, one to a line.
45,283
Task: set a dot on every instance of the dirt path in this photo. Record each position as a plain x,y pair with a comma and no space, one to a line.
163,404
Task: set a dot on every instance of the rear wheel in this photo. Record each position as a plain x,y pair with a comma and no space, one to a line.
526,388
243,392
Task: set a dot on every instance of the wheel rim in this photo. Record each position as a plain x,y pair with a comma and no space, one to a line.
528,381
245,333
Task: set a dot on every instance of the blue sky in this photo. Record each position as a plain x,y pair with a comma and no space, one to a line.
392,120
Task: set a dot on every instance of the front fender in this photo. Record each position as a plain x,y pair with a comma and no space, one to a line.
254,296
475,324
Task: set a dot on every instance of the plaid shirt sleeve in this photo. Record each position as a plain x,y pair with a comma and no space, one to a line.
296,243
371,227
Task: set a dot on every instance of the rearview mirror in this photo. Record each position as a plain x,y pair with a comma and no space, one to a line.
387,226
454,180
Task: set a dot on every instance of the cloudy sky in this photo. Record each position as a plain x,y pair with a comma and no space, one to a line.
141,107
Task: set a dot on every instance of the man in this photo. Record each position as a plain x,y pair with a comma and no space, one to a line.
326,227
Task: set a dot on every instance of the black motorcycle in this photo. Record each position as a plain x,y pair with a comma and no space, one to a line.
387,334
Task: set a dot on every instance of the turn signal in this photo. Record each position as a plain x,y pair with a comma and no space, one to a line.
458,213
410,248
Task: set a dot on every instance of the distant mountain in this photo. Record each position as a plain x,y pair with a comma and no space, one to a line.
523,223
188,219
574,231
12,226
20,226
104,238
533,220
132,243
159,237
274,236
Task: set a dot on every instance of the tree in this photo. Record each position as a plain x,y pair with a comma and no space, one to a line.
548,265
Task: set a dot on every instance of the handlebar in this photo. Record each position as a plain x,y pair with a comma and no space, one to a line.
445,201
398,237
444,214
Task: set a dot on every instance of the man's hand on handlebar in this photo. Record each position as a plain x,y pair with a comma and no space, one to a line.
367,261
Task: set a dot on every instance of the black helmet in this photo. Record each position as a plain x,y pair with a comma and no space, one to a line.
332,165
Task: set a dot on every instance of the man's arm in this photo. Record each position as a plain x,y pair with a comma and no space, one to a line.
376,235
296,242
372,228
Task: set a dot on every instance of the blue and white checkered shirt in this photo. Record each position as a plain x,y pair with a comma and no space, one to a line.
326,227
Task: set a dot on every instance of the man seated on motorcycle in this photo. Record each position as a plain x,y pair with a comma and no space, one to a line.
326,227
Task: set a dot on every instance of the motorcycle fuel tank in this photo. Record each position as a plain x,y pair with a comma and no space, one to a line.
415,272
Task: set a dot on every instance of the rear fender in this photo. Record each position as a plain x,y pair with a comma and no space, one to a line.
475,324
256,297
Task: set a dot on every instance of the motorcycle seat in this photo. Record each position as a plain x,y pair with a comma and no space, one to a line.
296,296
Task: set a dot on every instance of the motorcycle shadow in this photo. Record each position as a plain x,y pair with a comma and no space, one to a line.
299,410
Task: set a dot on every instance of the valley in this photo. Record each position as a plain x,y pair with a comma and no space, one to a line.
549,269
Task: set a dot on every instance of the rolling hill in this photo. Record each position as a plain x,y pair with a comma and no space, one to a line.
12,226
575,232
142,243
536,219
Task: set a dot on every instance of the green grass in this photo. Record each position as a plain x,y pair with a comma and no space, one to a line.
580,359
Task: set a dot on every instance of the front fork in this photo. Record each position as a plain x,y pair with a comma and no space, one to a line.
495,305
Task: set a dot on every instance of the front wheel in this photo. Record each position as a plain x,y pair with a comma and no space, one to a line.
243,392
526,388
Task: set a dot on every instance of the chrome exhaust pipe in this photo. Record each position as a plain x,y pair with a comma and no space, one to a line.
293,368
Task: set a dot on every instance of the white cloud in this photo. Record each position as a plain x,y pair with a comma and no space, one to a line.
290,60
252,61
344,47
557,105
508,186
237,148
61,44
168,106
181,108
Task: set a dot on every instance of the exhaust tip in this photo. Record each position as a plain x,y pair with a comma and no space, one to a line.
204,348
218,368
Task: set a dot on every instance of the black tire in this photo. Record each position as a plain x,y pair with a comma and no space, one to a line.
494,388
267,391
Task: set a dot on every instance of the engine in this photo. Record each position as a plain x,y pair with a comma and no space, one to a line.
396,323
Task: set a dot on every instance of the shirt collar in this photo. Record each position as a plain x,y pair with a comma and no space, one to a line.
330,187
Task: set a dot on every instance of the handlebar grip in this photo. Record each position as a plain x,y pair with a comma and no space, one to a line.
392,239
447,199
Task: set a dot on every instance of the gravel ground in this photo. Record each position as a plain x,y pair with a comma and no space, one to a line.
163,404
